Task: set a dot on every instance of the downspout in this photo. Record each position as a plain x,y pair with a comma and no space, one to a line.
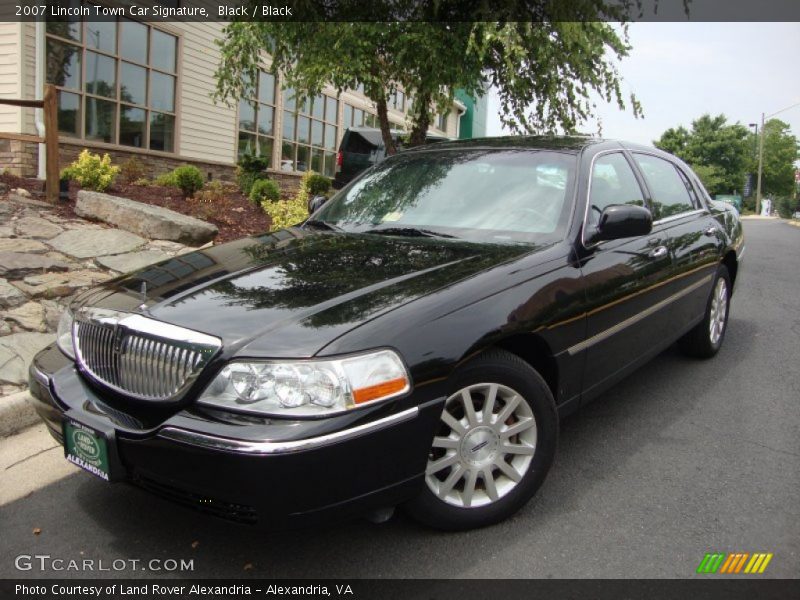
39,91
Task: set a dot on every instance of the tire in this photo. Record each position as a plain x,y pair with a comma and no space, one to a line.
703,341
467,452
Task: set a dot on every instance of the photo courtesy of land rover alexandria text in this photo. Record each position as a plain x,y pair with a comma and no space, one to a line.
413,343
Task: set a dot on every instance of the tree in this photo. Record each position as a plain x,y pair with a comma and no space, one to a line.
718,152
543,57
781,150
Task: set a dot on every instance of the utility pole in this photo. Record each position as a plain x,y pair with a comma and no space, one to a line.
760,166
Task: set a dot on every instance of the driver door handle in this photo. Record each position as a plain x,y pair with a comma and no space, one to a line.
659,252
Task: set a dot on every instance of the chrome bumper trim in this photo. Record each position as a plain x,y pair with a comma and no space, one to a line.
211,442
41,377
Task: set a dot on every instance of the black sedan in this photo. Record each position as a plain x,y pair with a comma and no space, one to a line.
414,342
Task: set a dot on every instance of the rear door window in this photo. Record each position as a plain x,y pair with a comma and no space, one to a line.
670,196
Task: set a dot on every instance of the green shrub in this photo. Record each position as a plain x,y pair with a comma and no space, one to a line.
250,169
132,170
91,171
316,184
142,181
265,190
285,213
785,206
167,179
189,179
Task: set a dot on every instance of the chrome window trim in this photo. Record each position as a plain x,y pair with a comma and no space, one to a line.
259,448
620,150
614,329
682,215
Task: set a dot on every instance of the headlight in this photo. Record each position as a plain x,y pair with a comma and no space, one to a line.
64,334
307,388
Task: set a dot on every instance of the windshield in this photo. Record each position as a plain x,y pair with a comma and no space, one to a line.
495,196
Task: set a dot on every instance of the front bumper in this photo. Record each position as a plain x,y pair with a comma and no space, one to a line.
276,473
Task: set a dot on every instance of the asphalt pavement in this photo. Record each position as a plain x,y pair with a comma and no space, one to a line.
683,458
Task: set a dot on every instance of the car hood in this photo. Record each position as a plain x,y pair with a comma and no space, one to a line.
292,292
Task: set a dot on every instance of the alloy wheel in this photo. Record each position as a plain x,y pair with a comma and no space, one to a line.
484,446
719,311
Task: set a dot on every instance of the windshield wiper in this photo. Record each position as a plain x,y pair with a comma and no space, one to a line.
322,225
409,232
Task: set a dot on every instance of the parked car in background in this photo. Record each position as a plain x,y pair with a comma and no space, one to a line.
734,199
414,342
363,147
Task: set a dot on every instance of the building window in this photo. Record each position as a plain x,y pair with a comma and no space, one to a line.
309,133
257,118
116,81
355,117
441,122
397,100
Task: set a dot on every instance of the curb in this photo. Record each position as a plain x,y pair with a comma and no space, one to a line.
16,413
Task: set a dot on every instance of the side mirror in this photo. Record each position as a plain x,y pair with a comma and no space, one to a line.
621,221
316,203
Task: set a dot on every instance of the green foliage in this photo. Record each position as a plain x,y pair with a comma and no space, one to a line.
786,206
132,170
316,184
189,179
717,151
250,169
543,69
167,179
142,181
265,190
91,171
286,213
780,153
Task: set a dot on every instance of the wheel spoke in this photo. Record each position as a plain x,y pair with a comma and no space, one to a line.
469,487
448,460
469,408
508,470
488,404
445,442
452,479
508,409
488,483
518,427
517,449
453,423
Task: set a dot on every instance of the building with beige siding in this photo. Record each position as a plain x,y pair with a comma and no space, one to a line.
140,89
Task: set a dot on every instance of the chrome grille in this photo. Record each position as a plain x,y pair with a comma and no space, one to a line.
138,356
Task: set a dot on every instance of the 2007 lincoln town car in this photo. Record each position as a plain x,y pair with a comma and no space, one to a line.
414,342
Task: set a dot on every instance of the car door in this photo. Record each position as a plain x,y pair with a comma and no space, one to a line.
694,238
625,281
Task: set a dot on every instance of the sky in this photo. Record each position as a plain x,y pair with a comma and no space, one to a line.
680,71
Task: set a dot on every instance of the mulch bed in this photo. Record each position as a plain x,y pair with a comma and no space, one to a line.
231,212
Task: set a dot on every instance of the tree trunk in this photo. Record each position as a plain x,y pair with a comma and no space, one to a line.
422,120
383,120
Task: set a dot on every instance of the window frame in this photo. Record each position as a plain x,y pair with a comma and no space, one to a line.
304,109
255,103
119,104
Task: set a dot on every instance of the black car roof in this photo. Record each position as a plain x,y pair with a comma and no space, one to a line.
551,142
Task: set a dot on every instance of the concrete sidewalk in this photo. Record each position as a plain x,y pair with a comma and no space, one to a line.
30,460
